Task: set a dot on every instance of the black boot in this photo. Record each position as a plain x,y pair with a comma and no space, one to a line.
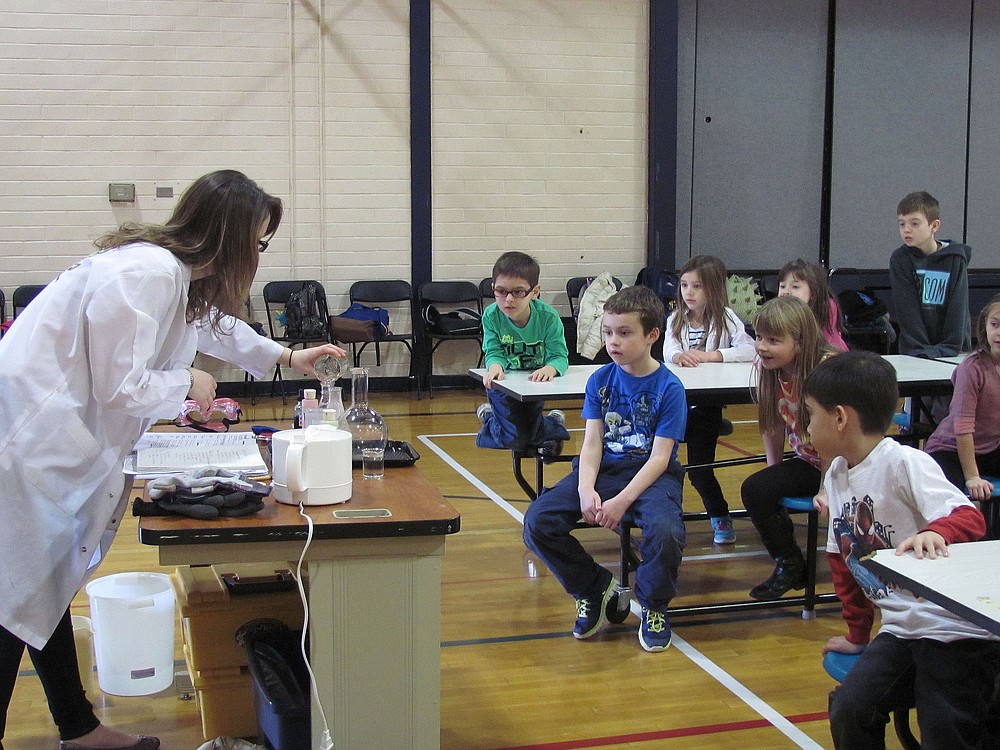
778,534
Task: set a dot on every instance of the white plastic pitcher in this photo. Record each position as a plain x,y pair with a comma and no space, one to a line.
311,466
133,617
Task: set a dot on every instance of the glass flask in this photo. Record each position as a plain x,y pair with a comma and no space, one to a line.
368,431
328,370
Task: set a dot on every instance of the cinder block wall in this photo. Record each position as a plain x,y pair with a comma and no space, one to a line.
538,119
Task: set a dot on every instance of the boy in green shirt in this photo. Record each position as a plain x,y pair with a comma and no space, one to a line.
520,332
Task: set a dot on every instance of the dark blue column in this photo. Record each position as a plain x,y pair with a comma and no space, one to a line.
420,142
662,180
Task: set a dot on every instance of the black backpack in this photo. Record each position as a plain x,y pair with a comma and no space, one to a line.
302,317
860,308
664,284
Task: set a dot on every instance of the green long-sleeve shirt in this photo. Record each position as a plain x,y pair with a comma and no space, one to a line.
541,342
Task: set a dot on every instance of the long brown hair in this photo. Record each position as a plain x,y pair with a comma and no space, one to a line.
712,274
982,335
214,225
788,316
815,277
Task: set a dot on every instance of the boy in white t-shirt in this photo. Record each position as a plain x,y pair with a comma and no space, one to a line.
882,494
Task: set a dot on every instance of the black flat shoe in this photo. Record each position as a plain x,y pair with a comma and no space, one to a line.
782,580
143,743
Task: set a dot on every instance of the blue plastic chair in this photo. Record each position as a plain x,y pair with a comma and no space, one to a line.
991,508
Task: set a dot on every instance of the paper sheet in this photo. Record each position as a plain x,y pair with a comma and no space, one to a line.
170,452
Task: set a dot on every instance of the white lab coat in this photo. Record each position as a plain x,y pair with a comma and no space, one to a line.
87,366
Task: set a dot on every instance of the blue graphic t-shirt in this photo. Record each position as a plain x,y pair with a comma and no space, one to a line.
636,410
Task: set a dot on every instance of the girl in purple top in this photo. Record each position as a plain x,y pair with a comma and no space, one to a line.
967,441
808,282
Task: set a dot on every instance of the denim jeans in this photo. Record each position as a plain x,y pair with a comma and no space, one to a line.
951,684
657,512
517,424
59,674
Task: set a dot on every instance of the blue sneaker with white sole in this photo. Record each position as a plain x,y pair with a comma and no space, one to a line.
654,630
724,531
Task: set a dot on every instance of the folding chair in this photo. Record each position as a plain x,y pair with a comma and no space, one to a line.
451,295
23,295
276,294
380,294
574,288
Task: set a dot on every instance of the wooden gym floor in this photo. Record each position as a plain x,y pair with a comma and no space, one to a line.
512,675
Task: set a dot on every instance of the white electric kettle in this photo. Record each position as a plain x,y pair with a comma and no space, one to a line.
311,466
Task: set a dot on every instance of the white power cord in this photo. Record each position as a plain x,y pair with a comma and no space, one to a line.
326,741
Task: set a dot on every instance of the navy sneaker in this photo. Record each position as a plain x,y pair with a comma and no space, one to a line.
590,609
654,630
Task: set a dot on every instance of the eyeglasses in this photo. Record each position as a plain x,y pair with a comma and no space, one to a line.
263,245
515,293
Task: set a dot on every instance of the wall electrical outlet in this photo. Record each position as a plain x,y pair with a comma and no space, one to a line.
121,192
166,192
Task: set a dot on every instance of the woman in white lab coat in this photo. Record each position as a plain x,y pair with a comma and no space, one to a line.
102,352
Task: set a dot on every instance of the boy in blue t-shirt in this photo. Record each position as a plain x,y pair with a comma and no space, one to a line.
636,412
520,332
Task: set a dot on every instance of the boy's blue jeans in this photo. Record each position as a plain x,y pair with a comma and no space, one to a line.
951,685
657,511
514,425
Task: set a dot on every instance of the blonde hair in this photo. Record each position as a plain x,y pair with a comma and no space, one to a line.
788,316
712,274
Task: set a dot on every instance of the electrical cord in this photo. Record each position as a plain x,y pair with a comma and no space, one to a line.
326,741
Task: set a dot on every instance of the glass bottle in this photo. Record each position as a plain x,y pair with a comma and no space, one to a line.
328,370
332,405
367,428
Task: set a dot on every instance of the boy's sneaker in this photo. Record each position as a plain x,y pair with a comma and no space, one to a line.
724,531
482,411
590,609
560,416
654,630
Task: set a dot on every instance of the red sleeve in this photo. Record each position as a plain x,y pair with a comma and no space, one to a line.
857,609
964,524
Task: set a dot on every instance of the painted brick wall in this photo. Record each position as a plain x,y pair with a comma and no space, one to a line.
540,136
310,98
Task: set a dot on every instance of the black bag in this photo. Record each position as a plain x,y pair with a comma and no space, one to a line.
458,322
302,318
664,284
860,308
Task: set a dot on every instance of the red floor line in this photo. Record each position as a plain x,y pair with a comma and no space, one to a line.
665,734
735,449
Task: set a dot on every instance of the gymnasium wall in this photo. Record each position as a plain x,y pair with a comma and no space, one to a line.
538,111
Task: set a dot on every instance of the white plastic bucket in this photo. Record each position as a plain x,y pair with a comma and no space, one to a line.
133,616
83,636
